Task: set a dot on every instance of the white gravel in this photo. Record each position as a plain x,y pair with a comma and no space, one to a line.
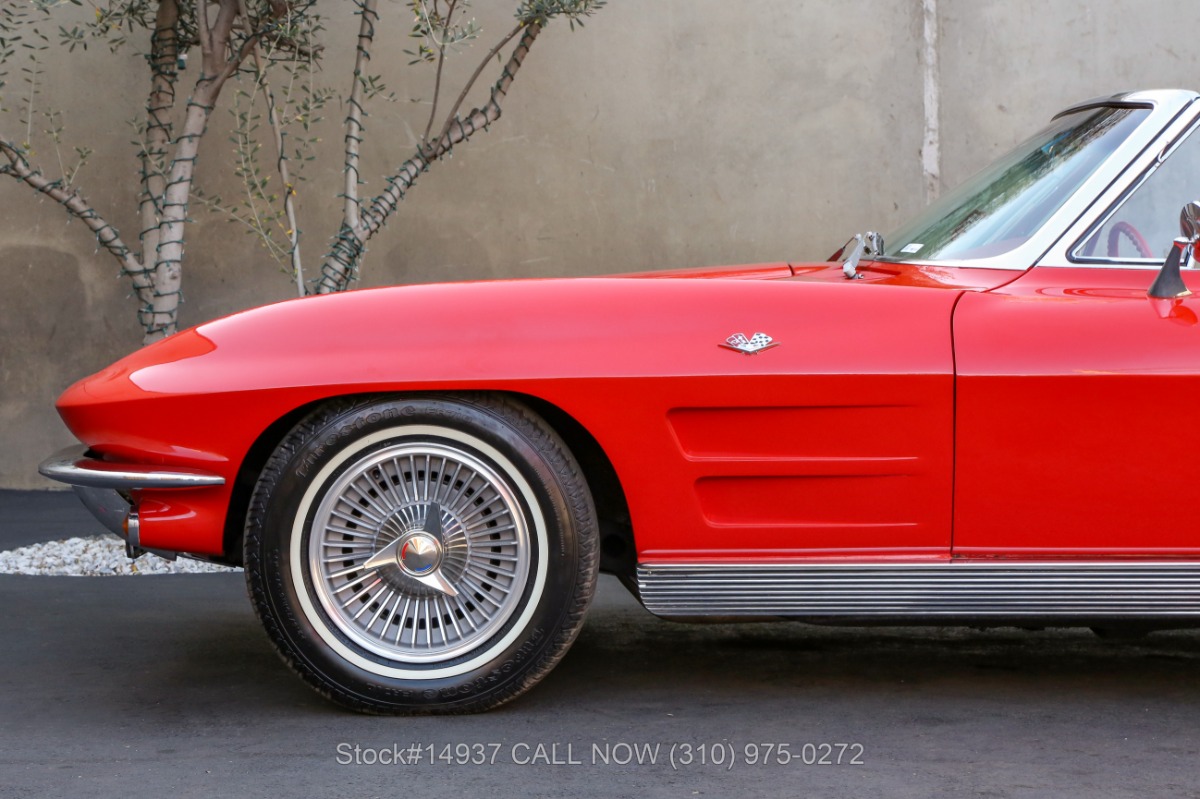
95,556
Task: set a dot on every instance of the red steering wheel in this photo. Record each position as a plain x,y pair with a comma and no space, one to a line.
1131,233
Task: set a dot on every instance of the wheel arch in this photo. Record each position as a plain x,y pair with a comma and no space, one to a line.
247,476
618,549
617,545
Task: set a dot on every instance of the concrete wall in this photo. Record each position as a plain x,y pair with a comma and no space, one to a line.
667,133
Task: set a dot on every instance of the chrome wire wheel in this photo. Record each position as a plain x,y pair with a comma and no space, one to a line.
419,552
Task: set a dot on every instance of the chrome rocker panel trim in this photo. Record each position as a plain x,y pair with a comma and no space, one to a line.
74,467
950,589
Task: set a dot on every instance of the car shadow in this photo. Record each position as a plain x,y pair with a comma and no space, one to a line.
189,648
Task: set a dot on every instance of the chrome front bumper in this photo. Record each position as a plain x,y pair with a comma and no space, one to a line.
75,467
104,487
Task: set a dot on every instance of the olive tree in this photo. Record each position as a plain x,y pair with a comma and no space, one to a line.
269,52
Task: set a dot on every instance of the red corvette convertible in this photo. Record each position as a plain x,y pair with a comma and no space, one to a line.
979,418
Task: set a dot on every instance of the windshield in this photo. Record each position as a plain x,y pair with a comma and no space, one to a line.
999,208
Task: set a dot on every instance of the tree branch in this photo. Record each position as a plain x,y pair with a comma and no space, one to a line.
355,111
437,82
168,260
229,58
527,40
279,9
281,161
341,263
202,29
219,62
164,50
19,168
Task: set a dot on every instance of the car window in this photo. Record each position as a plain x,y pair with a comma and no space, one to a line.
1143,223
998,209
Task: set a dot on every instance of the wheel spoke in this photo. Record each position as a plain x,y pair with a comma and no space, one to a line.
366,518
429,625
479,511
367,603
478,571
360,594
453,502
500,556
458,467
382,608
441,623
357,567
452,613
479,592
458,601
400,482
365,496
393,481
413,473
503,528
425,493
333,528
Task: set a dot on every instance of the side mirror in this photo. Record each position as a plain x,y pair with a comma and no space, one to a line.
1189,220
1169,284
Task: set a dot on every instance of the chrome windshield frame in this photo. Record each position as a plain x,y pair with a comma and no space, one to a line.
1167,118
1186,123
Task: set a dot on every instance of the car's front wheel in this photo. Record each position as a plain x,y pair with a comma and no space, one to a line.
425,554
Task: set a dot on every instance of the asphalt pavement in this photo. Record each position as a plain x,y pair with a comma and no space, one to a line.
165,686
32,517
